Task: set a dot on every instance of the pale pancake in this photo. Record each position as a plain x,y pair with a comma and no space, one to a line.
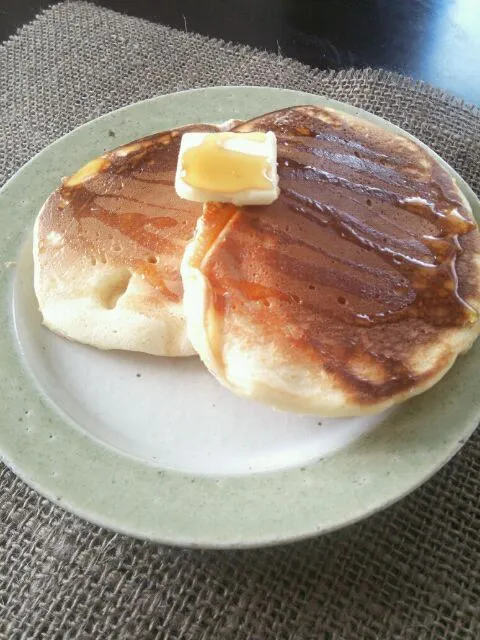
355,290
107,249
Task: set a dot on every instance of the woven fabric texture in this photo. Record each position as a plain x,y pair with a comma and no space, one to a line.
411,572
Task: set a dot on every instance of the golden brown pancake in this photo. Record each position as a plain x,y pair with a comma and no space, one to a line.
108,245
356,289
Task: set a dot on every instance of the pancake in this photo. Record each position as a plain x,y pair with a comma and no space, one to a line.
108,245
355,290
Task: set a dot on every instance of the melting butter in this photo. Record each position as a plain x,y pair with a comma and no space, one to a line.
214,166
240,168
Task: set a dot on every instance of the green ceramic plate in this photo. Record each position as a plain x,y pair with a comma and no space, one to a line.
155,447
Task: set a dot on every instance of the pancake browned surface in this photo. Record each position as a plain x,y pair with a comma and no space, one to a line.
108,245
356,289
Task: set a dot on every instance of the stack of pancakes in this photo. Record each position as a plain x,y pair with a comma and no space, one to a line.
357,288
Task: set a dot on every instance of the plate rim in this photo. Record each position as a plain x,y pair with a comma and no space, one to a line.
252,539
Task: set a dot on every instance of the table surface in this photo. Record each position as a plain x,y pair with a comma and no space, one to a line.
433,40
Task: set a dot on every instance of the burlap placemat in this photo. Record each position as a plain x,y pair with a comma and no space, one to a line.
410,572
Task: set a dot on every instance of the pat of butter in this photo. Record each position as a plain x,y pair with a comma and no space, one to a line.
228,167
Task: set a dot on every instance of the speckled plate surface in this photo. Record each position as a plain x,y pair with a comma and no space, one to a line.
154,447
